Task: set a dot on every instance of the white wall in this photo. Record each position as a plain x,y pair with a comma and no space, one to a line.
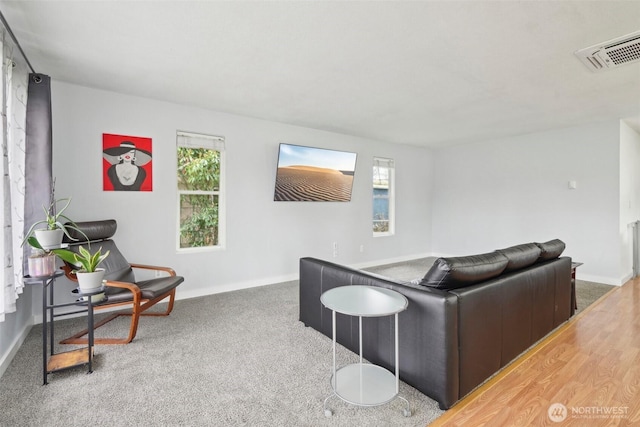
515,190
265,239
454,201
629,194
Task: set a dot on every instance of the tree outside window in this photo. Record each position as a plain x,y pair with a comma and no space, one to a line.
200,163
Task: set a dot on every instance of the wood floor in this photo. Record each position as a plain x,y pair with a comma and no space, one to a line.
587,373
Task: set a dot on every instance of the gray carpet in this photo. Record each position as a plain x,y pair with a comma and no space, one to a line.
238,358
589,292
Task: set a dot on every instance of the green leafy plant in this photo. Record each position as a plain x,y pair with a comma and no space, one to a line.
198,170
37,247
85,260
54,219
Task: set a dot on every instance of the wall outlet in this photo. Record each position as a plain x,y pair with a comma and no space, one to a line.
335,249
361,248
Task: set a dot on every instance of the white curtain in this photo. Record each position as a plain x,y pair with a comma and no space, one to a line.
12,167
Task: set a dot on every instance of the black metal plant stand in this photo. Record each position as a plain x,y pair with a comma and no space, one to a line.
52,361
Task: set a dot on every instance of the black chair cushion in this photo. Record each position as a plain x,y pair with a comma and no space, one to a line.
93,230
521,256
116,266
149,288
457,272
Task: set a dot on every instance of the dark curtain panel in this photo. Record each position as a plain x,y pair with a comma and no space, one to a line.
39,152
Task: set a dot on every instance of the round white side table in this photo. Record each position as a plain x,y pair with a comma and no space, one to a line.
364,384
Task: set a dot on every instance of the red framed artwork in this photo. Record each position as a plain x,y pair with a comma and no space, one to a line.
126,163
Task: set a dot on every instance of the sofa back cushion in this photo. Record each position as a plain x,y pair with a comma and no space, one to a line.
457,272
521,256
551,249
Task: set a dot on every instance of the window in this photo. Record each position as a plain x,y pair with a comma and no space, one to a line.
383,198
200,191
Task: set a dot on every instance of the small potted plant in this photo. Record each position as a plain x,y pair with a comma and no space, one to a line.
57,225
88,274
41,262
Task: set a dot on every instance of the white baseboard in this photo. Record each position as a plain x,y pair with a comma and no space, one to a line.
586,277
235,286
600,279
13,348
228,287
626,278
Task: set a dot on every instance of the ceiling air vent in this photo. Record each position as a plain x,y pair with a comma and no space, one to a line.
612,53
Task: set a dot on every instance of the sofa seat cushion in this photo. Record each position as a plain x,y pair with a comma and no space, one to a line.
521,256
456,272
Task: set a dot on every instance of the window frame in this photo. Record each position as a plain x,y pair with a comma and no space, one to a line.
379,162
211,142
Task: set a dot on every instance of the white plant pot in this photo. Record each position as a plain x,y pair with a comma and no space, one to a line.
41,266
49,239
89,282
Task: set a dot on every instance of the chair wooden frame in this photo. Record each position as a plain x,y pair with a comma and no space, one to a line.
138,307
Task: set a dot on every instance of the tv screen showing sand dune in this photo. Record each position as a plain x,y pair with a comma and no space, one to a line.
307,174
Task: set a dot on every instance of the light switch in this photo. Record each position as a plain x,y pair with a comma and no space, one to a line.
573,185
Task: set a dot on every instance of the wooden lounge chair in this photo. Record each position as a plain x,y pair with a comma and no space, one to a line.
122,288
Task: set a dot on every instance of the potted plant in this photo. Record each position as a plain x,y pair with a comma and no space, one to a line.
41,262
88,274
57,225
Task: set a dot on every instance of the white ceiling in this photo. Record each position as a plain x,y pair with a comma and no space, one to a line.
430,73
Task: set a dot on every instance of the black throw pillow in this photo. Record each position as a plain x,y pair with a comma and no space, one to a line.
521,256
551,249
457,272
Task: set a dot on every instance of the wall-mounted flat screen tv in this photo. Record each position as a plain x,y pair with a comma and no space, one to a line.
307,174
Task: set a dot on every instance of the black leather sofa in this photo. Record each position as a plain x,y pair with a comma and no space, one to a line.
467,318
